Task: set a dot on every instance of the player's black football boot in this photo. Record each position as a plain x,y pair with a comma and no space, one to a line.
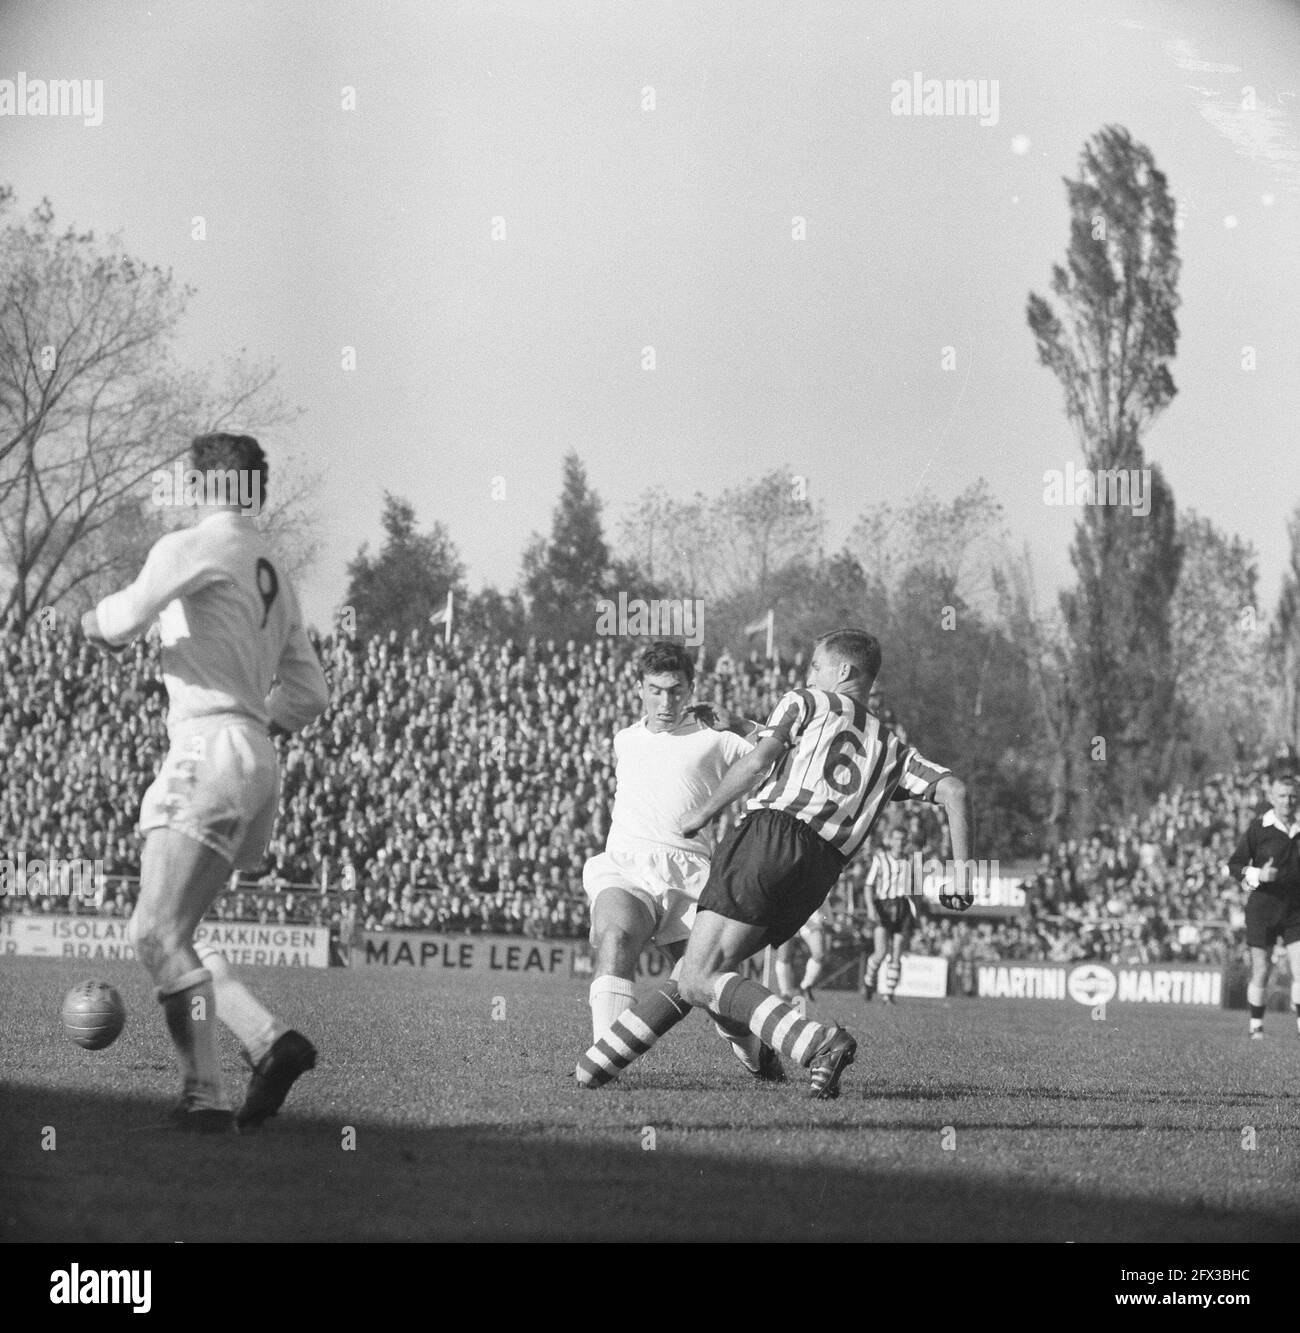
835,1055
200,1119
807,993
275,1073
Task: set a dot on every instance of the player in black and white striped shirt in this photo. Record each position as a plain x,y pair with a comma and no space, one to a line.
891,914
828,766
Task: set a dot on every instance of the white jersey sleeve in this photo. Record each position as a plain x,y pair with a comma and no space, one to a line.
170,571
229,625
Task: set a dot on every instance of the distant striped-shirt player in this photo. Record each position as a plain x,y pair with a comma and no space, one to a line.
829,765
235,660
891,914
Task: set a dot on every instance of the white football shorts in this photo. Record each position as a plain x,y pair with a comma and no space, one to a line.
220,785
668,880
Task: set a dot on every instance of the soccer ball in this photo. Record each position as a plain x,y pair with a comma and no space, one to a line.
93,1015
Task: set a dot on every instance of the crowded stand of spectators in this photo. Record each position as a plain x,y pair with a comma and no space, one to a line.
460,787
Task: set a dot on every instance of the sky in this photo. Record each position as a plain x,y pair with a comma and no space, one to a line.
500,206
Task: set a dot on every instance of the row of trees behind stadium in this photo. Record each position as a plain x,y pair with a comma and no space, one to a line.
1157,666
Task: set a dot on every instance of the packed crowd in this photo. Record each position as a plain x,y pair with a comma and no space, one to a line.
461,787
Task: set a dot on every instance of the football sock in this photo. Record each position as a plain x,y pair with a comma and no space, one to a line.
745,1046
784,975
631,1034
189,1006
1257,998
609,996
769,1018
873,970
257,1028
893,975
811,973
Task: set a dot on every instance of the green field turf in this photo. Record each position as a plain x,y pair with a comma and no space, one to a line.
470,1127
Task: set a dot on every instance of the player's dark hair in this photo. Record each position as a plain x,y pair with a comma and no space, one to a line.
219,452
1283,770
855,646
662,656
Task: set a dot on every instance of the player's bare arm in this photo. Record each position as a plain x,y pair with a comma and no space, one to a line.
738,779
952,795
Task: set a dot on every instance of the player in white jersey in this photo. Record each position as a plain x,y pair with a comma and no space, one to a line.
891,915
814,933
236,660
643,887
830,766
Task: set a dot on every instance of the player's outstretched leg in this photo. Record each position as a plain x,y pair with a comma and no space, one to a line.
632,1034
824,1051
277,1054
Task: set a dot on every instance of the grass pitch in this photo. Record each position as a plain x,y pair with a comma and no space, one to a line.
445,1109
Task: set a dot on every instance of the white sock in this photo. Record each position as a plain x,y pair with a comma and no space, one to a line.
784,978
609,996
812,972
189,1009
257,1028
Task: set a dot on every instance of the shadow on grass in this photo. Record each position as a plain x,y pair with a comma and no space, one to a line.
109,1177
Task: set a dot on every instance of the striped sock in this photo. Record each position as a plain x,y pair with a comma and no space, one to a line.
770,1018
632,1033
893,975
746,1047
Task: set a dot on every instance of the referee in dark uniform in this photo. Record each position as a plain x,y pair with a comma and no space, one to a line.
1267,861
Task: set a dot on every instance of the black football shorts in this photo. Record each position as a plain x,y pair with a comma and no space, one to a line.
897,915
771,871
1270,916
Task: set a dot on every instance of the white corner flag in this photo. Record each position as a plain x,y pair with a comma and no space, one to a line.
768,623
444,617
